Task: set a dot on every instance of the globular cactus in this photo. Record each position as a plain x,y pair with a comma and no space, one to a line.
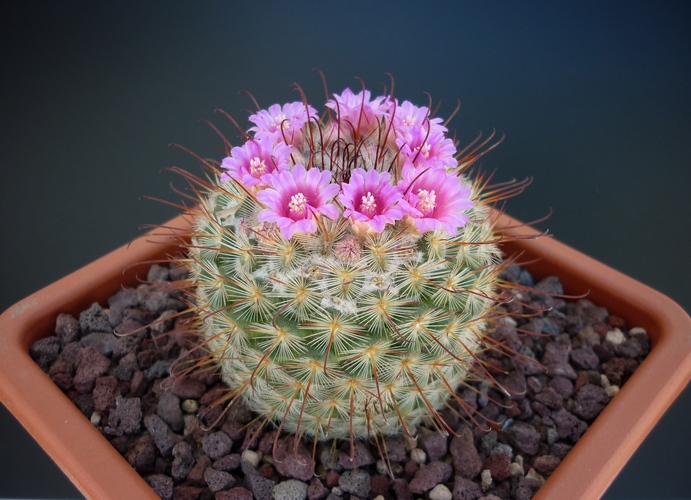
344,267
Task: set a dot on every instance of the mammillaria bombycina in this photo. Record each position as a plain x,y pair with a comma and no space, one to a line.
344,268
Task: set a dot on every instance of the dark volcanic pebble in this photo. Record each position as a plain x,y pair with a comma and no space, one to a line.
429,476
556,388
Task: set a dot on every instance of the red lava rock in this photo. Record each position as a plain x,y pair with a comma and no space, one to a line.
616,321
499,465
162,485
332,478
590,400
356,482
361,455
569,426
218,480
429,476
261,487
266,443
465,489
189,493
466,461
268,471
395,448
235,430
94,319
316,490
70,352
411,467
196,474
104,393
584,358
561,369
629,349
217,444
435,444
291,462
253,435
185,387
142,454
401,490
619,369
161,433
91,364
138,384
527,488
562,386
379,485
556,353
523,437
546,464
183,461
550,398
238,493
103,341
61,375
228,462
169,410
126,417
66,328
515,383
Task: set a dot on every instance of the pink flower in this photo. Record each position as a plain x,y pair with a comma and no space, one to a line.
369,197
358,110
407,115
426,149
254,159
286,122
295,198
434,198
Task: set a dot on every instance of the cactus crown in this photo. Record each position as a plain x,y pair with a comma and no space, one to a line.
344,268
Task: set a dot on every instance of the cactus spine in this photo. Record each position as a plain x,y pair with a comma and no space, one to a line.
344,267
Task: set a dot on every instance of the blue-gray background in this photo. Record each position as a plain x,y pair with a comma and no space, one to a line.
594,100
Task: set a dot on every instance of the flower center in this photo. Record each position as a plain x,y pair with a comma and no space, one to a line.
424,151
298,204
280,121
409,121
368,206
426,201
257,167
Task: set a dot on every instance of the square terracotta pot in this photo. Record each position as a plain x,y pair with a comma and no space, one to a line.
100,472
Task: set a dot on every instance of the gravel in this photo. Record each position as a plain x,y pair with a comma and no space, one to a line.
567,370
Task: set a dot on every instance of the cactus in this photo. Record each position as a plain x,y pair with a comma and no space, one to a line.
344,268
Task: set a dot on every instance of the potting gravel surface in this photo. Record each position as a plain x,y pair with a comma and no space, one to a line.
122,384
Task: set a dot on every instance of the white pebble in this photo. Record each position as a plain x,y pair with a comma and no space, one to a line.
533,474
378,497
440,492
637,330
410,442
252,457
190,406
515,470
485,479
95,418
604,381
615,336
612,390
337,490
417,455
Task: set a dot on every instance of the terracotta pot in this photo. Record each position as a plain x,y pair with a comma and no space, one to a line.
99,471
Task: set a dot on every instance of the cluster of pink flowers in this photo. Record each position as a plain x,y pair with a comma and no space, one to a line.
414,183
